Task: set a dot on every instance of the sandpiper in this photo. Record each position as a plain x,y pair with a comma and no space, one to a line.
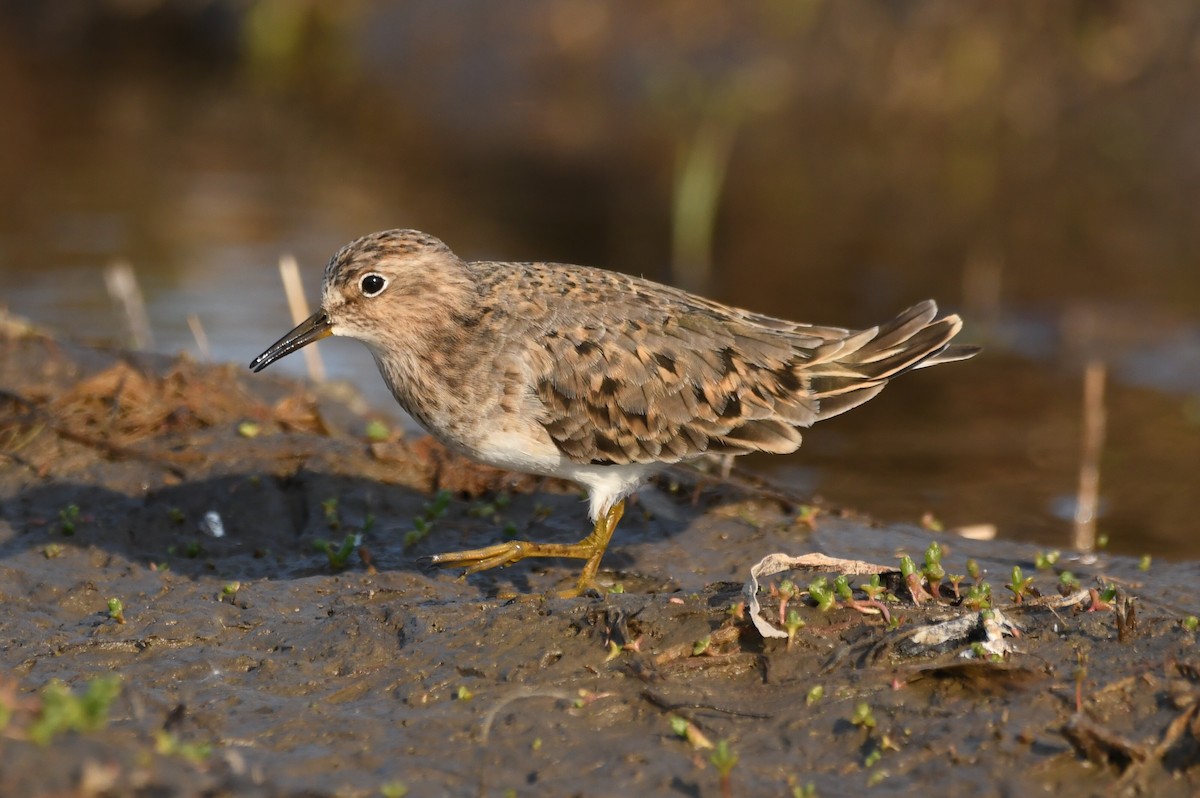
594,376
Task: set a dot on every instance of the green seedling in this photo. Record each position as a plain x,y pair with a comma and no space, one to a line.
973,570
723,759
1019,584
332,518
510,531
463,693
979,597
338,557
863,716
787,590
63,711
423,523
53,550
1191,623
192,550
806,514
875,591
116,610
176,516
249,429
67,518
930,521
393,789
230,590
793,624
872,759
688,731
377,432
1044,561
932,569
820,592
736,611
1067,583
168,744
1102,541
536,745
1144,563
1101,600
815,694
701,646
842,589
908,569
808,790
955,580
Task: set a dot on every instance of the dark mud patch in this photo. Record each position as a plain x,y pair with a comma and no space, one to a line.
306,680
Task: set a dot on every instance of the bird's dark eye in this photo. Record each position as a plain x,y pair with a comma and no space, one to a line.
372,284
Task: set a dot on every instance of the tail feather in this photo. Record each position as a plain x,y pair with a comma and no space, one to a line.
913,340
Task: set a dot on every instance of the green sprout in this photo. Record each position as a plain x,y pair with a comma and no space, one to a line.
701,646
1067,583
463,693
63,711
332,518
723,759
820,592
1044,561
1191,623
1019,584
176,516
53,550
168,744
793,625
815,694
339,556
116,610
863,716
908,570
377,431
932,568
1144,563
393,789
249,429
67,517
973,570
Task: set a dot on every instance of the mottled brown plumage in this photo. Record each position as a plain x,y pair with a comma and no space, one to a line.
592,375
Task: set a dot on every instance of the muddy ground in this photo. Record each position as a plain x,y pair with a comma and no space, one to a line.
251,664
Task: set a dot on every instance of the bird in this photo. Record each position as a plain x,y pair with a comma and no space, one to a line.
591,375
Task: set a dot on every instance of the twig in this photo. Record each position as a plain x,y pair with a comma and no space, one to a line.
123,288
1089,467
289,272
201,338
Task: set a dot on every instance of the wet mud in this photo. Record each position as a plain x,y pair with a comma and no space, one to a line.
262,662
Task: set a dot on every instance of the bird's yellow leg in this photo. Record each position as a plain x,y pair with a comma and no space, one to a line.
591,548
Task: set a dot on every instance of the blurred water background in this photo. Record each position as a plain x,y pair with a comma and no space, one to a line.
1033,165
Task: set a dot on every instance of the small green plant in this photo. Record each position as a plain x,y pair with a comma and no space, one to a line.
863,717
463,693
979,596
701,646
340,555
1044,561
1144,563
333,519
1067,583
176,516
230,590
908,570
192,550
116,610
423,523
168,744
1019,584
67,518
955,580
793,624
1191,623
377,431
249,429
53,550
393,789
820,592
973,570
932,569
815,694
723,759
63,711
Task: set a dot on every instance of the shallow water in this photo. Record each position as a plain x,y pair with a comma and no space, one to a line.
200,167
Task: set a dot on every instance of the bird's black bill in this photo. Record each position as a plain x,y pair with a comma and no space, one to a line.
314,328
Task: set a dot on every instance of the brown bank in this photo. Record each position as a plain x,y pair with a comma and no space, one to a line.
242,555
